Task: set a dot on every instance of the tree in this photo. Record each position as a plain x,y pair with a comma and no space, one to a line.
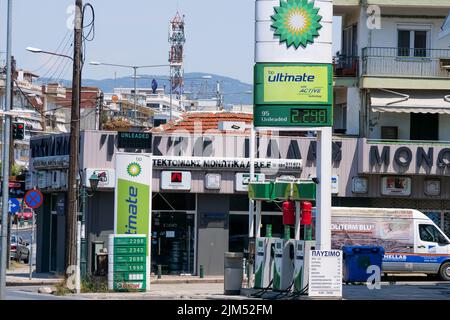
117,125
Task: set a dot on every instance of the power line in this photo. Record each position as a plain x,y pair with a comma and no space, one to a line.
68,43
57,49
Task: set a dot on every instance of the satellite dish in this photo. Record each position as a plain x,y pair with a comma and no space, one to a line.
445,29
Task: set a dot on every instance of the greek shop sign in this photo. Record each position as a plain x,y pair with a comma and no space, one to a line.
225,163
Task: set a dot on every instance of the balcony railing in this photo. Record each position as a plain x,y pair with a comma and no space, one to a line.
346,66
406,62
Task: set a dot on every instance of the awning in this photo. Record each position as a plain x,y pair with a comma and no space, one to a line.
404,101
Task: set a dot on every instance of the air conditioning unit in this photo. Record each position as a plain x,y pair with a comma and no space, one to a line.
445,64
232,126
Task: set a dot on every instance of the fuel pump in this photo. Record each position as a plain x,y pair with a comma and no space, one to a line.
301,264
264,260
285,251
303,249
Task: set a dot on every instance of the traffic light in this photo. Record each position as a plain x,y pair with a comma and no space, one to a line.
18,131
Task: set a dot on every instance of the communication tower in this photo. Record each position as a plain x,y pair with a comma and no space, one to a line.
177,39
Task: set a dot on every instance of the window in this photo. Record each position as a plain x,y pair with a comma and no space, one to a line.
430,233
389,133
413,43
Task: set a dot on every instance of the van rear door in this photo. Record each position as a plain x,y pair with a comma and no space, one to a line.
430,247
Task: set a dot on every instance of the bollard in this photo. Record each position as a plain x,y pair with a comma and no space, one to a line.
159,271
202,272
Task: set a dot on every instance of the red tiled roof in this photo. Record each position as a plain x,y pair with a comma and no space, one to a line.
88,98
199,122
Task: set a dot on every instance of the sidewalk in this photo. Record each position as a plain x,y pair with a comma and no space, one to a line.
20,277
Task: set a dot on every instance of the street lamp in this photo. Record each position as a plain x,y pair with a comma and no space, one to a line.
93,181
135,68
37,50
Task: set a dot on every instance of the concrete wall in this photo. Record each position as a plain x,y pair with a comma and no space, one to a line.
212,221
390,119
353,110
444,125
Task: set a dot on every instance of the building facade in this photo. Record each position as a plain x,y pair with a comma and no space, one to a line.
392,89
390,149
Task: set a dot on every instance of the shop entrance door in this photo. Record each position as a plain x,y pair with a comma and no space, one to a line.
173,242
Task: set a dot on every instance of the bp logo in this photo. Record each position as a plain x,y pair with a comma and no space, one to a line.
296,22
134,169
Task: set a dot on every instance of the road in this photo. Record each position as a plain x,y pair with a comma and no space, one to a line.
409,290
29,293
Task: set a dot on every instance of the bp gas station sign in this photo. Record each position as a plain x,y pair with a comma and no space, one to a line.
293,91
128,263
293,95
130,244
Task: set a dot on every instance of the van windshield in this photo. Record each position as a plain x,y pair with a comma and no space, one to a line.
430,233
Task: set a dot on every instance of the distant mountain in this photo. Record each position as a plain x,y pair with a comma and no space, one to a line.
196,86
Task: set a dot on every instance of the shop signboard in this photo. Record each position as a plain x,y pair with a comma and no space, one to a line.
293,71
106,177
134,140
243,180
133,196
335,184
128,263
293,95
396,186
325,273
176,180
290,84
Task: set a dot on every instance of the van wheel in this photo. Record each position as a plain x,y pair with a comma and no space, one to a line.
444,271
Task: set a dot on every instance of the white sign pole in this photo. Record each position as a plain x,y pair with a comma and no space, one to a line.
324,165
251,212
149,236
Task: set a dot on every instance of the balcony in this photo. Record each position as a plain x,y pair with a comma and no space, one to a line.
346,66
346,71
406,62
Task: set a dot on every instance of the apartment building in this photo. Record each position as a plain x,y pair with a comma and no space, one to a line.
392,88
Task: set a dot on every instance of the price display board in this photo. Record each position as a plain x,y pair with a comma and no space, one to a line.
293,95
127,263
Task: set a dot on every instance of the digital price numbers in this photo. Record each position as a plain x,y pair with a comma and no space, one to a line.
309,116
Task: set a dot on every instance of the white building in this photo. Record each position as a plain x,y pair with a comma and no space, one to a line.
392,87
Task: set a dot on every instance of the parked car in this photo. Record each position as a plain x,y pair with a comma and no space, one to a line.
28,213
19,249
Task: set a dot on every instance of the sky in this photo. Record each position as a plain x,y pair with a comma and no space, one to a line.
220,36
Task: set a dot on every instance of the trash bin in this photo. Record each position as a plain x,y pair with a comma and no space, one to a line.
234,273
358,258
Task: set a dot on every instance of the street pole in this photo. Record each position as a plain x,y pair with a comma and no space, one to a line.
33,223
135,93
5,159
72,212
83,261
170,94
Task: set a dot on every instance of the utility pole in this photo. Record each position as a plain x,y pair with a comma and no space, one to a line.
5,159
11,155
72,212
171,84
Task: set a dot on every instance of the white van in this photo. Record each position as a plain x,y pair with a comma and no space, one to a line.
412,242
